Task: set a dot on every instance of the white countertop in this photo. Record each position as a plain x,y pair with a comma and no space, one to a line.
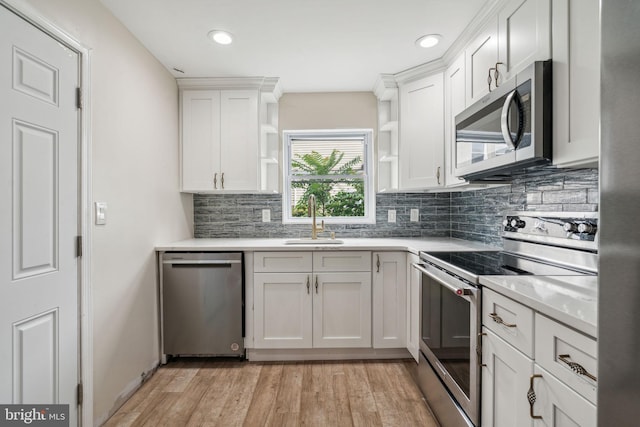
370,244
572,300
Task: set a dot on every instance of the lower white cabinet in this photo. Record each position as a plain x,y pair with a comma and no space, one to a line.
517,390
413,307
311,307
389,299
505,380
342,310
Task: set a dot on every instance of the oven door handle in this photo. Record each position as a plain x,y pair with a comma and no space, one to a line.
456,290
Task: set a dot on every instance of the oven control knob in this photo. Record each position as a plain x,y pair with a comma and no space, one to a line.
517,223
587,228
570,227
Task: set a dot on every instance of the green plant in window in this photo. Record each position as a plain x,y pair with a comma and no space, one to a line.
317,165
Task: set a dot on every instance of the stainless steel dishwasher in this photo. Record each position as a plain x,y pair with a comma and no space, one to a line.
202,300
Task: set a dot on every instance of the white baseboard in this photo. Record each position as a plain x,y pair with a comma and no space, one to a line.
282,355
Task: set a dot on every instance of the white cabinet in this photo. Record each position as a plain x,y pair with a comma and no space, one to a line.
541,378
312,299
576,83
480,56
454,103
389,299
524,35
422,133
505,379
219,140
342,310
413,307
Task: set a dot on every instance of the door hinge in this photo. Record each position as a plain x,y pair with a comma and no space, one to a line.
79,98
80,394
78,246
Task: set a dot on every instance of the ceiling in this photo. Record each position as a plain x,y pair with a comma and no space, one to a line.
311,45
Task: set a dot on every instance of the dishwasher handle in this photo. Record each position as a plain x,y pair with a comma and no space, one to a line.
201,262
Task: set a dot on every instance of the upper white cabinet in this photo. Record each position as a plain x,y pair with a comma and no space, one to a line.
576,83
524,35
454,103
422,133
481,57
221,146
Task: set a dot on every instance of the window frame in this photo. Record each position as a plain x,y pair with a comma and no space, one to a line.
366,135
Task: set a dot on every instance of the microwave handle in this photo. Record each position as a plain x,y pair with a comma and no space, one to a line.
504,121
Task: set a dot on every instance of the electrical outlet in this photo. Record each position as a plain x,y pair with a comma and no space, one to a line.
101,213
266,215
414,215
391,215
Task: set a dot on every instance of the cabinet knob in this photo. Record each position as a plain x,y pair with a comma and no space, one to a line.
222,180
438,175
215,181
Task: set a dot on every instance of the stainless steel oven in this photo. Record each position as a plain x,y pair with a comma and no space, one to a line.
534,243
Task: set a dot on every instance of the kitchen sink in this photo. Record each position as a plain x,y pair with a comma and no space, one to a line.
314,242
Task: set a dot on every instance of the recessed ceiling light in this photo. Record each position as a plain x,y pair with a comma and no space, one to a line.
220,37
430,40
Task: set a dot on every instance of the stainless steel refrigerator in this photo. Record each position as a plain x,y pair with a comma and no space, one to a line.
619,280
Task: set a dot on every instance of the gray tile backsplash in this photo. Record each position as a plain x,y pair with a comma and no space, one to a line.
473,215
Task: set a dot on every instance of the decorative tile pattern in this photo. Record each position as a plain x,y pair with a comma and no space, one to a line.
473,215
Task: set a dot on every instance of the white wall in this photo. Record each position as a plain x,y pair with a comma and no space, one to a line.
134,133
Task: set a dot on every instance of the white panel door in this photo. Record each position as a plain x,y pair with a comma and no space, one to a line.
505,381
200,140
422,133
389,300
481,55
282,310
342,310
239,140
454,103
39,222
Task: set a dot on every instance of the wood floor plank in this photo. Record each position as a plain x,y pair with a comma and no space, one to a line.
222,393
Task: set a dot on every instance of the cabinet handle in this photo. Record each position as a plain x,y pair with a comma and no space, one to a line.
308,285
489,78
496,74
316,284
438,175
215,181
378,264
222,180
531,397
576,367
499,320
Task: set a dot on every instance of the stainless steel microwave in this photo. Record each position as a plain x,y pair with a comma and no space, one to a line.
508,129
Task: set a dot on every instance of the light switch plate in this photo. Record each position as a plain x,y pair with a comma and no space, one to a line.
266,215
101,213
391,215
414,215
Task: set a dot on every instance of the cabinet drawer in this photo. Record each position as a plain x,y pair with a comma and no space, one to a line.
511,321
557,346
337,261
282,262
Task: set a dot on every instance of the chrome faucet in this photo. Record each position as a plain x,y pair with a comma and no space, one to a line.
312,213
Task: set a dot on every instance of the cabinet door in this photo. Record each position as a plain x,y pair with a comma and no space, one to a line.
524,35
480,55
558,405
576,82
200,145
422,133
389,299
413,308
341,310
239,140
282,310
454,103
505,382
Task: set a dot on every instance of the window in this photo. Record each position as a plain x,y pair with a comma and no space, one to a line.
336,167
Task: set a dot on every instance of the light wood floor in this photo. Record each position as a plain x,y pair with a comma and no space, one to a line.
206,392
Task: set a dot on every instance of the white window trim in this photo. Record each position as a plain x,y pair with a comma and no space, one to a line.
370,196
